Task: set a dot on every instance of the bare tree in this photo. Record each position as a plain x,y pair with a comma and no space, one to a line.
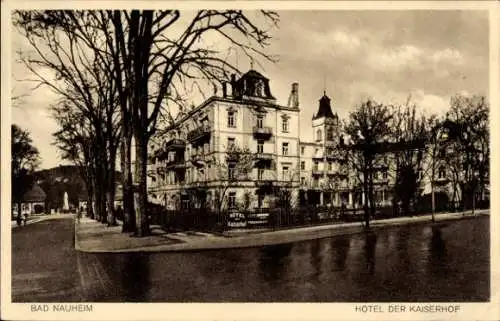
408,135
236,166
151,64
369,131
433,159
467,126
63,42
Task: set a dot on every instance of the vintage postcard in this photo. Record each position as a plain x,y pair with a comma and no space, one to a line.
255,160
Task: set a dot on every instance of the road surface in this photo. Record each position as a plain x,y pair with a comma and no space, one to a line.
444,262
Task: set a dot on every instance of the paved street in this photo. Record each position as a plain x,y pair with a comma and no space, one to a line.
44,262
446,261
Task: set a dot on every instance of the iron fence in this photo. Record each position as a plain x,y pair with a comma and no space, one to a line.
205,220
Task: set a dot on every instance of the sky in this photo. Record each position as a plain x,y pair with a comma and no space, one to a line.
352,55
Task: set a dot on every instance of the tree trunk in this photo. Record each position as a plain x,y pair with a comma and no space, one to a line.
142,221
365,203
129,219
433,201
90,201
111,188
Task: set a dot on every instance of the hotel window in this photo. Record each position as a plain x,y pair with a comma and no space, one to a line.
232,200
284,125
231,142
284,149
260,121
260,146
302,150
260,200
319,135
316,165
201,174
441,172
231,171
231,119
329,134
285,172
260,174
303,180
302,165
384,174
330,166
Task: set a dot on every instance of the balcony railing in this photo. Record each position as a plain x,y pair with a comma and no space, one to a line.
151,168
198,159
318,172
262,132
199,133
318,157
335,157
177,163
264,156
264,182
175,143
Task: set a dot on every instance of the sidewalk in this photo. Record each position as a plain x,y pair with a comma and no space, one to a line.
95,237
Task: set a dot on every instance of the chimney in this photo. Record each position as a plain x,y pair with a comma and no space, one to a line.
233,85
224,89
293,99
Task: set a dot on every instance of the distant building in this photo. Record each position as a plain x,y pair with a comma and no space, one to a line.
33,201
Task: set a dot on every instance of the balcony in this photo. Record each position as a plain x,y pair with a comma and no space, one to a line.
176,164
264,182
318,172
199,133
151,168
318,157
175,144
264,156
335,158
198,159
161,154
262,132
443,180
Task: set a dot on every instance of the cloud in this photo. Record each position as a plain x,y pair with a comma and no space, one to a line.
345,41
397,58
448,56
429,104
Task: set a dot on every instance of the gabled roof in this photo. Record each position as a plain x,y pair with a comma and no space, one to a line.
325,109
35,194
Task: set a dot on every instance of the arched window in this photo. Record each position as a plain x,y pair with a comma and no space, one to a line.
319,135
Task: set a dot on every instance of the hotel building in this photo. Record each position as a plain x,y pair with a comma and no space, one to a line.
192,157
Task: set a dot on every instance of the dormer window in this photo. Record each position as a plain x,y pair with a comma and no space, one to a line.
259,88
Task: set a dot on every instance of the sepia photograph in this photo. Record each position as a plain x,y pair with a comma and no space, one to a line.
181,154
